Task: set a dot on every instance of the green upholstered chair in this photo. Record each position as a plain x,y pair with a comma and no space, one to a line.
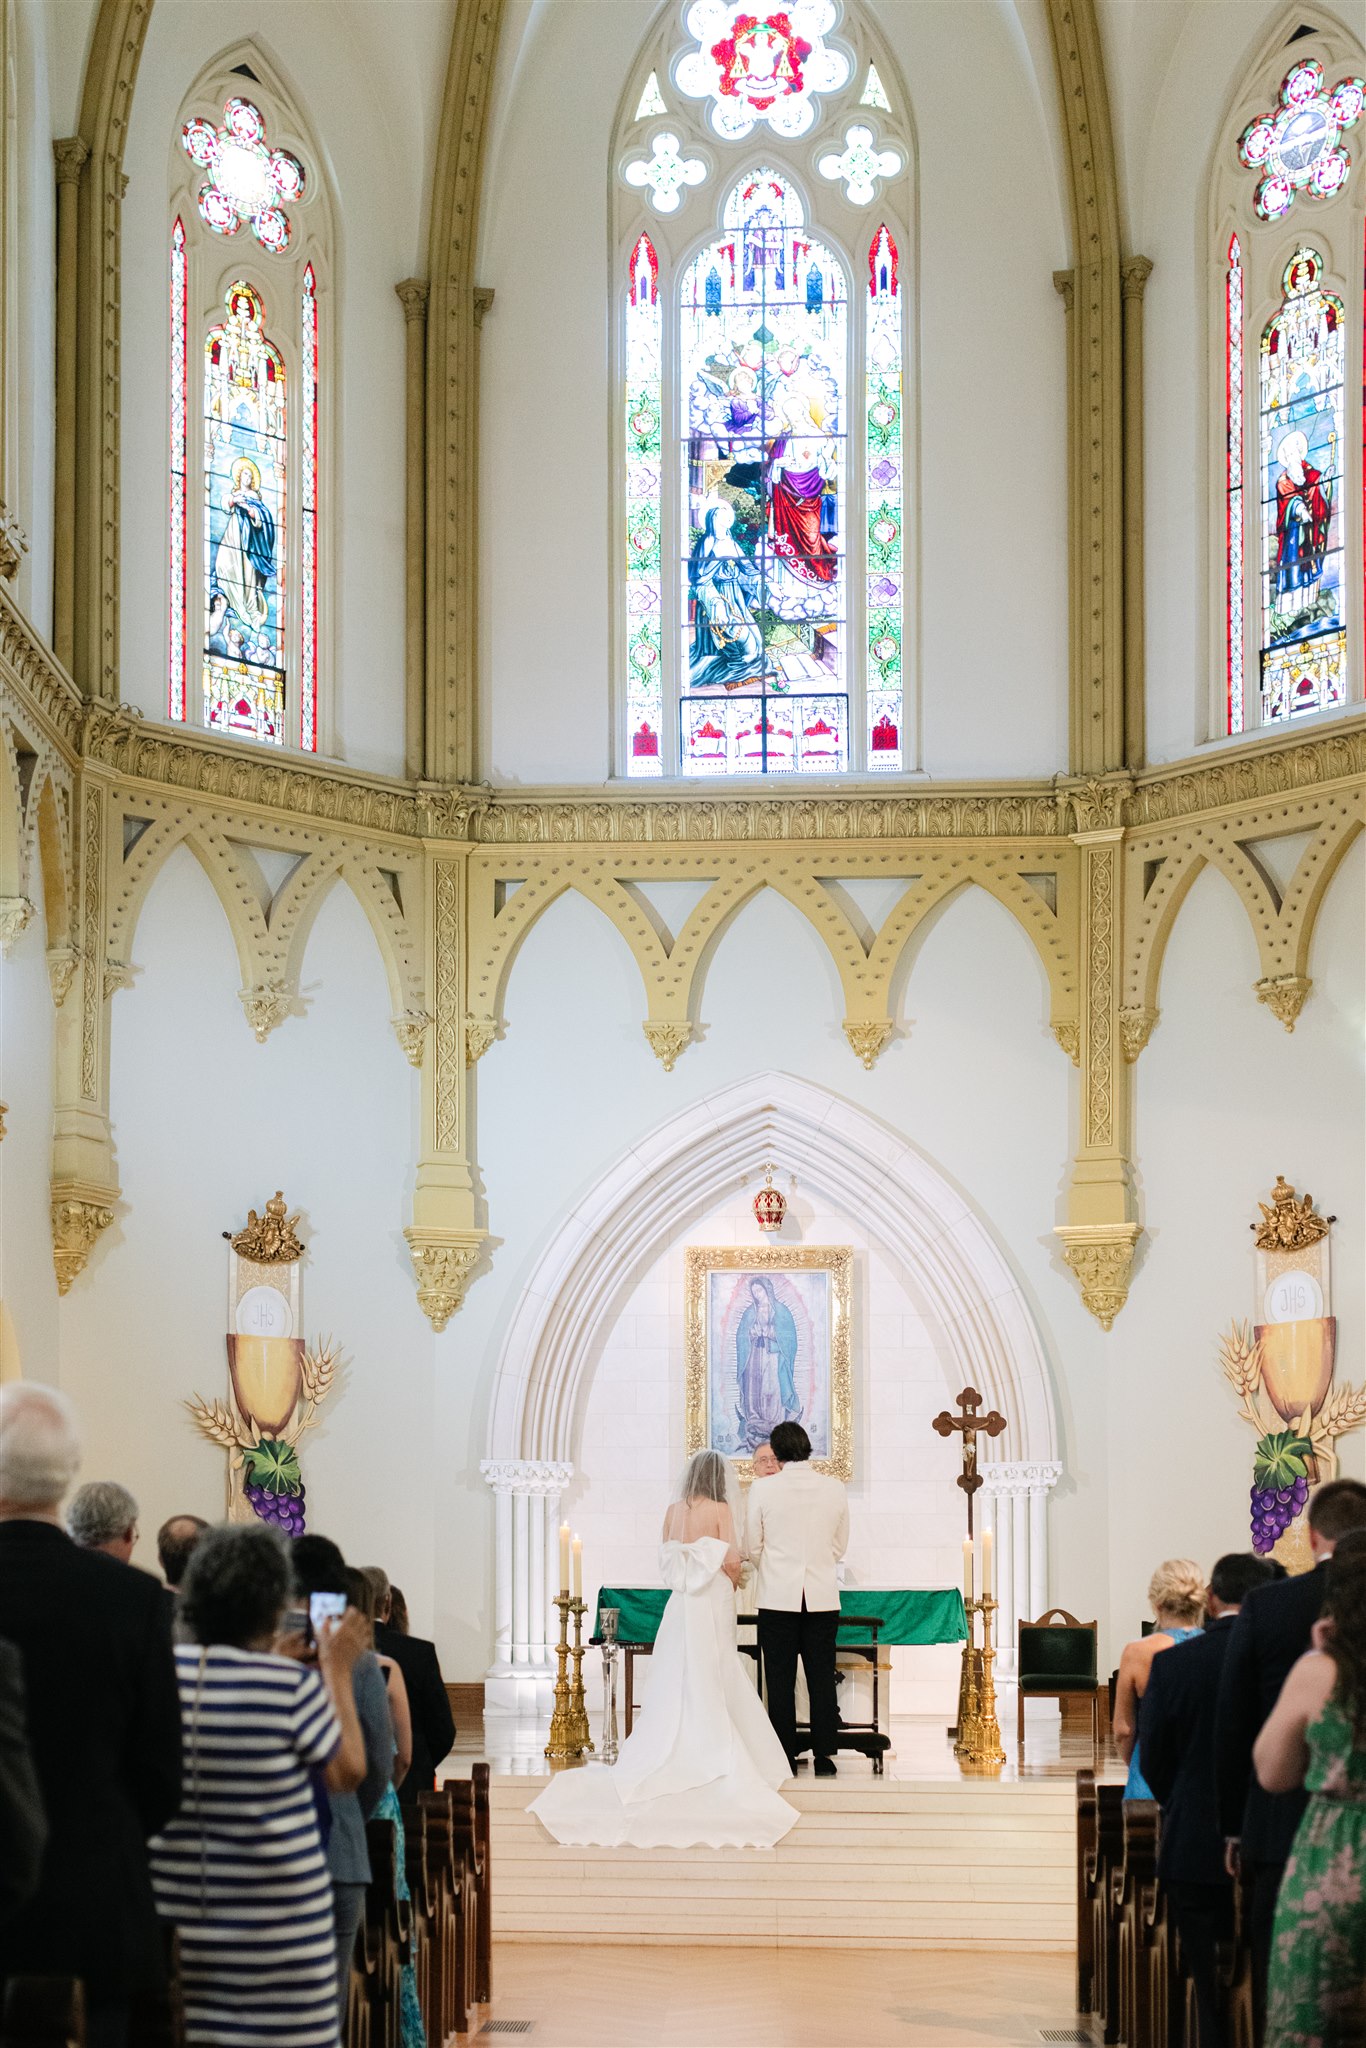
1057,1660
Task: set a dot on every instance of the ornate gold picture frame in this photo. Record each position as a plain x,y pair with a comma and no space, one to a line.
767,1340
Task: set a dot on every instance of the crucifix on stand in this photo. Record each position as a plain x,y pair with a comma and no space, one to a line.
974,1730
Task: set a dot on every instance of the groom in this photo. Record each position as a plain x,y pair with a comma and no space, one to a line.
796,1531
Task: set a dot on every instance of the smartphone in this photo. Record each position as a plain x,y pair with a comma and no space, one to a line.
323,1607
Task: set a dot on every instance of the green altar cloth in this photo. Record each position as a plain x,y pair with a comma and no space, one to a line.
906,1617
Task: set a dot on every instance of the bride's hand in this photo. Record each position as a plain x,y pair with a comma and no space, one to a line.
734,1572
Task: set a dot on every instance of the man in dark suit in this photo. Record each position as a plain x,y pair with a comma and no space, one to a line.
1176,1742
23,1824
1272,1630
433,1725
104,1721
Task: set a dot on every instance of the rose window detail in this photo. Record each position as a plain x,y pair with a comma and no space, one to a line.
1298,145
247,180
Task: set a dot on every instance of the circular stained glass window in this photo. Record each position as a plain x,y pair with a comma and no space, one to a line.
218,211
247,179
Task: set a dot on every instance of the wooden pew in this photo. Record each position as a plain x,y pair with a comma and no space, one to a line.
470,1809
1088,1840
1143,1933
1104,1876
451,1875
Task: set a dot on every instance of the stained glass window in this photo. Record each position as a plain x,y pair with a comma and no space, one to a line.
244,522
247,179
308,529
1233,539
761,67
763,368
651,100
644,451
1298,146
884,502
180,407
1301,446
874,93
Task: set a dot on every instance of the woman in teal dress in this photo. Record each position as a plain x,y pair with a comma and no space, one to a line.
1176,1593
361,1594
1316,1736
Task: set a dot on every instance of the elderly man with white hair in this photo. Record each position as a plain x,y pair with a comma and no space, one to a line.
104,1722
102,1515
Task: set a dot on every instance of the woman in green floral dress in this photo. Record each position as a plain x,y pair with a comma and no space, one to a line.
1316,1736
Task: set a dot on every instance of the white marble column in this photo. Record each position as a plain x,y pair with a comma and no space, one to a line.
527,1495
1014,1500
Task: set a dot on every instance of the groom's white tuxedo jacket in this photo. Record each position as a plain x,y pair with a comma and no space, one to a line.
796,1532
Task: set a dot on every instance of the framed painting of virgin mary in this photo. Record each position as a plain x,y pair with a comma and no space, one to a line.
768,1342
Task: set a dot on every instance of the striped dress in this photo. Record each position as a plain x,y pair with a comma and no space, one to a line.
241,1869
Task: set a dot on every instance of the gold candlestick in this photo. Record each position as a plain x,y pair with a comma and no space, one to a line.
578,1706
562,1748
983,1749
966,1731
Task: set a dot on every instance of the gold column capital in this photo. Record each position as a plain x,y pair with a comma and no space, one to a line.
1134,273
70,155
413,294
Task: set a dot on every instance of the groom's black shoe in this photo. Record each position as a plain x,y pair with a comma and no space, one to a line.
826,1767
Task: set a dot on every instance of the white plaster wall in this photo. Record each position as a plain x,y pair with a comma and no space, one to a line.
370,88
992,529
40,113
207,1123
28,1284
1226,1101
1178,69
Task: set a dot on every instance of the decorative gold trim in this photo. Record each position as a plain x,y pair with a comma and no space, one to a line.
411,1032
1289,1224
1101,1255
480,1033
443,1265
62,962
866,1040
667,1041
1068,1034
838,1261
16,913
266,1004
77,1221
413,295
270,1239
1135,1029
1285,996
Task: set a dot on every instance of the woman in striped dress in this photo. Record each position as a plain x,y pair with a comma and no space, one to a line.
241,1870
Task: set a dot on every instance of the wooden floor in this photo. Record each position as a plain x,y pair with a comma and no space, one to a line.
796,1998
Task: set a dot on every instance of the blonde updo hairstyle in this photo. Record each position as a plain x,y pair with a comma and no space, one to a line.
1177,1588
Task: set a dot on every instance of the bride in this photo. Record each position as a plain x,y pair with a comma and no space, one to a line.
703,1762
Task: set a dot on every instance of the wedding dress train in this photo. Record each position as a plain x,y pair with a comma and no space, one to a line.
702,1763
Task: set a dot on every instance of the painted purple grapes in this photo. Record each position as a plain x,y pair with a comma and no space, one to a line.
1273,1510
284,1510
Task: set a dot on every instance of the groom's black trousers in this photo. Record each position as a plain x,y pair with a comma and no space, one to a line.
783,1637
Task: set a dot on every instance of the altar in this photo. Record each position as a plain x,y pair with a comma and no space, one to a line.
872,1621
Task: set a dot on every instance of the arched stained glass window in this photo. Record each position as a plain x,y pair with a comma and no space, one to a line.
763,356
245,495
180,455
644,447
245,522
1302,449
885,499
1233,538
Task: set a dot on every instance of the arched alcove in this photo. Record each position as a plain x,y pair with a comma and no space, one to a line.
983,1327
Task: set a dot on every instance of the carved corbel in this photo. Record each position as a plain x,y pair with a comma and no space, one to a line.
77,1220
1102,1257
1284,995
1068,1034
411,1032
1136,1023
13,544
62,962
266,1004
867,1039
667,1041
480,1033
15,913
443,1265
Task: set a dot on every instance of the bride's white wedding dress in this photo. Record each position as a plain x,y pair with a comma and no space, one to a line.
702,1763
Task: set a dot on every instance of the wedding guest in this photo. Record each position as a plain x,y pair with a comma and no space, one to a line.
176,1540
23,1824
104,1726
766,1464
1271,1632
1176,1594
1176,1736
413,2033
398,1611
428,1702
319,1567
102,1515
1315,1739
240,1871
